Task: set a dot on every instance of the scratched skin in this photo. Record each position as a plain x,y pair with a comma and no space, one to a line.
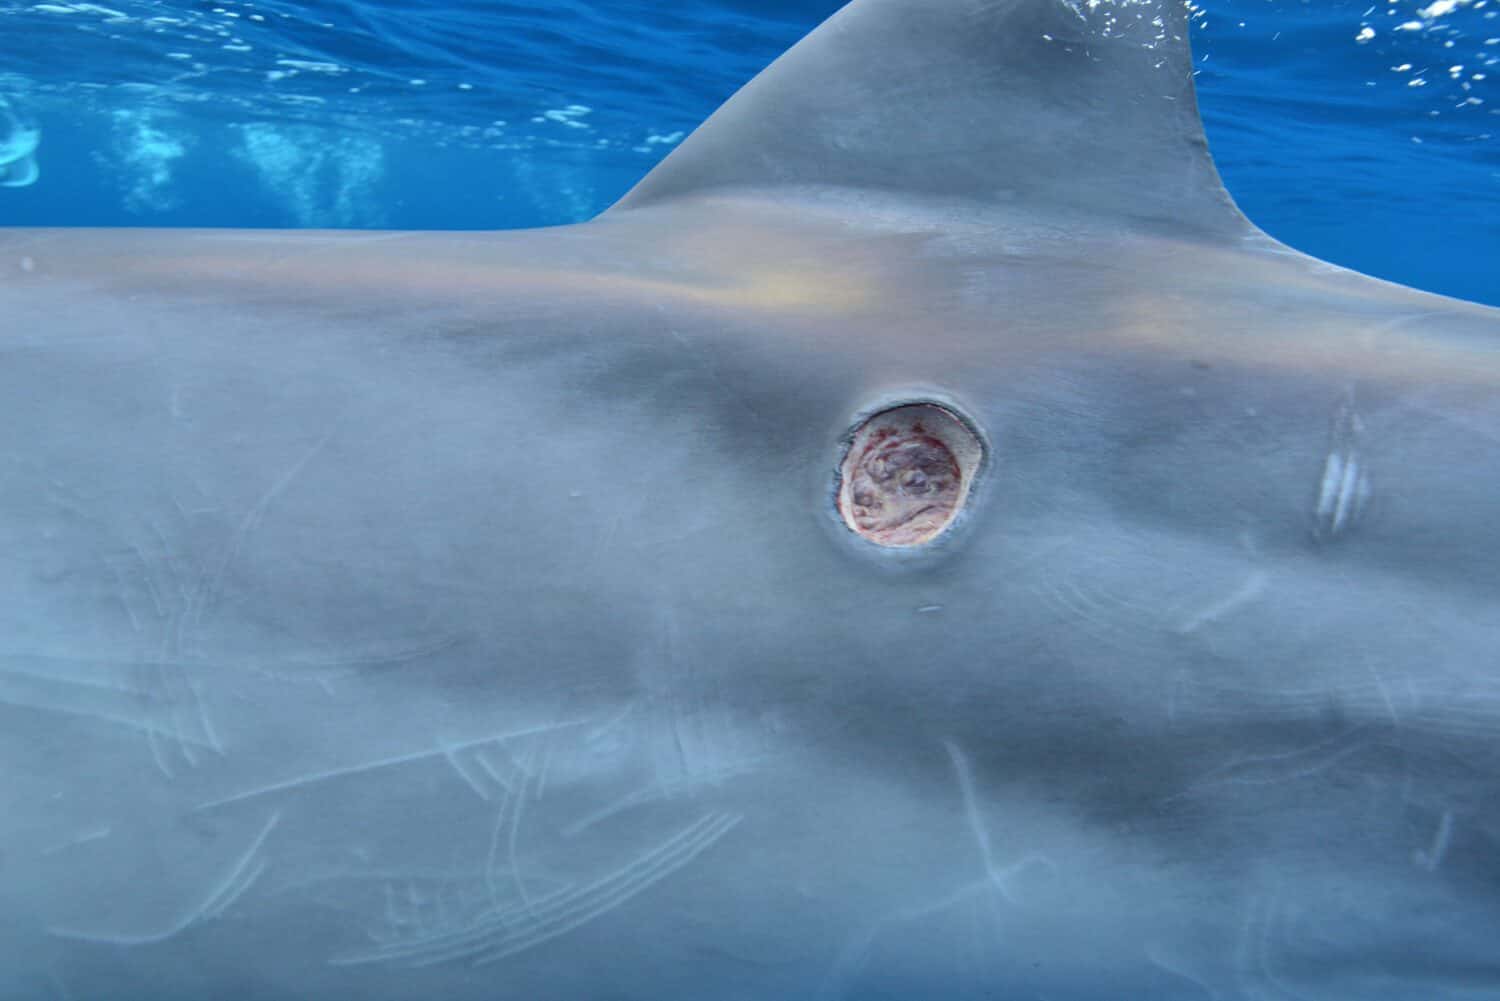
468,616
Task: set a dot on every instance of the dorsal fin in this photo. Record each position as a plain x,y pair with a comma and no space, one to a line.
1080,104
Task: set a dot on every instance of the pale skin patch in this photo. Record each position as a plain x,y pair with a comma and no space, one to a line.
907,474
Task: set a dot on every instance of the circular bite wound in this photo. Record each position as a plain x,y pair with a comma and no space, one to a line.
907,474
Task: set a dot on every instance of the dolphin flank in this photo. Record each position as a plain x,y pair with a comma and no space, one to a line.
922,543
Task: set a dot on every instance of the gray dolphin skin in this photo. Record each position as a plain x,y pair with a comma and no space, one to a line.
923,543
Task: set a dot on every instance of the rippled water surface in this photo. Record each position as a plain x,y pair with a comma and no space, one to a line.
1361,132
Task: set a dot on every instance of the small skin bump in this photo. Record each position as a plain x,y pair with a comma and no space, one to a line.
906,474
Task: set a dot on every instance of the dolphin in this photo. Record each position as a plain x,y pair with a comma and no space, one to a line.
923,542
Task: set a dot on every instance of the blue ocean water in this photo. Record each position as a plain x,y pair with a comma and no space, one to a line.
1362,131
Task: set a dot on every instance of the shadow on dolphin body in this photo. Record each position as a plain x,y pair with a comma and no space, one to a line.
924,542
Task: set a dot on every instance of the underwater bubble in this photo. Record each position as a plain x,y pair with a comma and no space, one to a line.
325,178
19,138
143,152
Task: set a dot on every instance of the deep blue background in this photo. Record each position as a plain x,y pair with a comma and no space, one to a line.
465,114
